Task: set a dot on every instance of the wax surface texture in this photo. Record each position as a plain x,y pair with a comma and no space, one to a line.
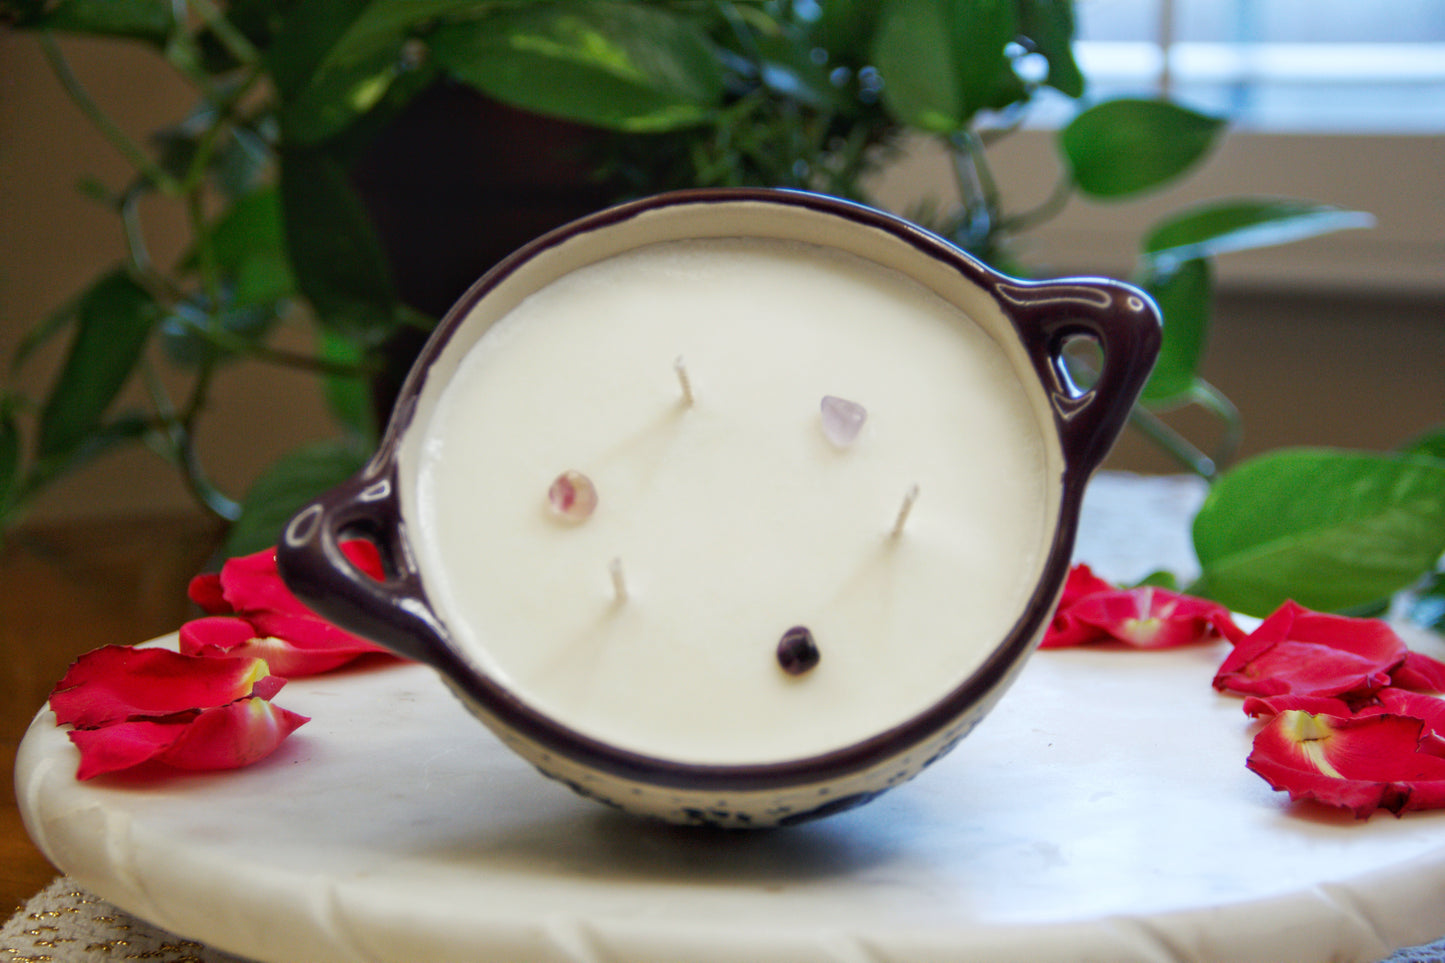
731,517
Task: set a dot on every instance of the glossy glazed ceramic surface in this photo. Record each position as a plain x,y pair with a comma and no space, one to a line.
1026,323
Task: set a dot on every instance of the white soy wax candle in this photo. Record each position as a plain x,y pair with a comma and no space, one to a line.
725,515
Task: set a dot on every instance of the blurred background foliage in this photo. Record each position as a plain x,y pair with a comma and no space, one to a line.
348,167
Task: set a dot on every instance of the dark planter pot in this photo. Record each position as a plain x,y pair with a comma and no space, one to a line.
456,183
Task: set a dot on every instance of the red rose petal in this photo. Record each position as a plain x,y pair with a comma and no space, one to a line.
365,556
121,682
1259,706
224,737
272,623
1148,617
1065,630
268,687
1082,582
205,591
1362,763
308,632
310,645
1309,653
251,583
121,746
1421,673
1429,709
232,736
215,635
293,662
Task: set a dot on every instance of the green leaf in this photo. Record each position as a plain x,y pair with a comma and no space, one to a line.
9,461
313,34
845,29
337,258
325,36
191,336
339,95
114,320
786,67
21,13
148,20
1238,224
1431,444
349,398
943,60
41,334
101,438
249,252
334,60
1330,529
621,66
1125,146
1185,294
1049,24
249,246
286,486
351,144
94,189
1160,578
242,164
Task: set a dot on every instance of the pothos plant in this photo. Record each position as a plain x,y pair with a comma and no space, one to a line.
811,94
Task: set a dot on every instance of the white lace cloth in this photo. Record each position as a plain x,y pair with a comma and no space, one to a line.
63,923
1131,527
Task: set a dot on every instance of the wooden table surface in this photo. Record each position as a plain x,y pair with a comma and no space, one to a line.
65,589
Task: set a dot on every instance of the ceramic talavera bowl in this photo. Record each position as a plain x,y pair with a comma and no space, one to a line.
633,653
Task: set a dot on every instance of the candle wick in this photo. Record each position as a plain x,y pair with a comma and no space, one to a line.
619,584
909,497
684,380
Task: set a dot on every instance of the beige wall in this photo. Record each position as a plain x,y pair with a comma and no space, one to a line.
53,241
1306,368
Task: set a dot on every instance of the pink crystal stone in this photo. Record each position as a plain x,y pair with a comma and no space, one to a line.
572,496
842,420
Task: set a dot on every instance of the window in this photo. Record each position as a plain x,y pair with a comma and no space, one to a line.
1335,101
1277,65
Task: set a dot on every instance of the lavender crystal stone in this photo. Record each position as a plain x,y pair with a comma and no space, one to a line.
842,420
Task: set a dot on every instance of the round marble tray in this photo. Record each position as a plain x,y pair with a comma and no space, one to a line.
1103,811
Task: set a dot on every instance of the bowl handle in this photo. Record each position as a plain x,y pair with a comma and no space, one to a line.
393,611
1126,326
